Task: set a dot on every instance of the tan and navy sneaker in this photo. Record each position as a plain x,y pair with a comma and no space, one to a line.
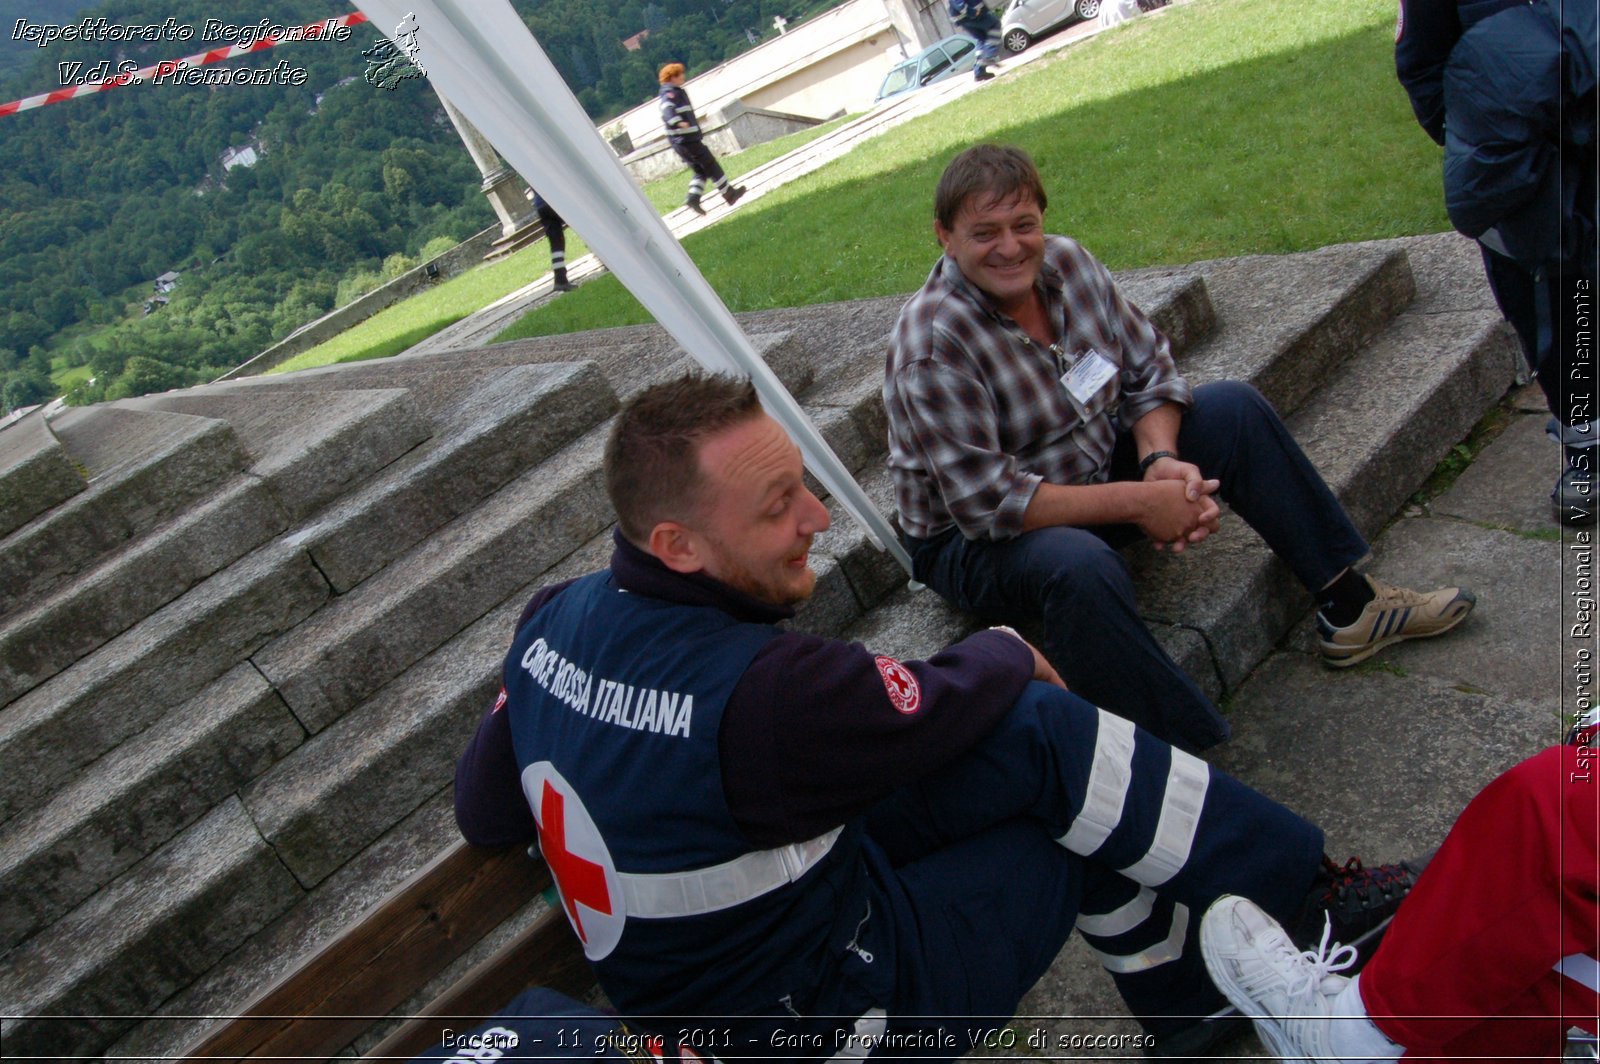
1395,613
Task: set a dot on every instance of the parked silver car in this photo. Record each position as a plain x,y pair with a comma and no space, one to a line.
956,54
1027,20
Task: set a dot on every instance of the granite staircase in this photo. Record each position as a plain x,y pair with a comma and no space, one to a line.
246,628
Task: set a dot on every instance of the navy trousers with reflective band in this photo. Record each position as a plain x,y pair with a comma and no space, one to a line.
1067,815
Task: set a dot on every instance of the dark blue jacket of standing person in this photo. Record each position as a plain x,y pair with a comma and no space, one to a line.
1508,87
973,15
677,114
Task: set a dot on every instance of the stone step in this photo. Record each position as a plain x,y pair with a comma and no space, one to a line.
509,421
349,784
309,446
870,573
35,472
517,416
445,393
297,935
630,357
130,584
1284,322
49,734
137,797
148,935
362,640
910,625
459,682
143,467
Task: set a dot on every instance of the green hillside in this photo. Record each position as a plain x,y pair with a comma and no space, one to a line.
101,194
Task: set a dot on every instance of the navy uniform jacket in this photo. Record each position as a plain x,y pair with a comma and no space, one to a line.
1508,87
677,114
810,737
973,15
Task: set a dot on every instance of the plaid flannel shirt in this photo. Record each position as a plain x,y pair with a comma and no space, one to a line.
978,415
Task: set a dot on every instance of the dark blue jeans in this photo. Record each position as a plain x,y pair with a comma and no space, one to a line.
1077,582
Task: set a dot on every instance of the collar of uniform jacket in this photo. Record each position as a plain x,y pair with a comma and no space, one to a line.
642,573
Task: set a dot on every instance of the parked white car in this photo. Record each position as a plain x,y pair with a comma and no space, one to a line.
1027,20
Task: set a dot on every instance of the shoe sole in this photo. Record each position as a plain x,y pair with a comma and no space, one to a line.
1360,654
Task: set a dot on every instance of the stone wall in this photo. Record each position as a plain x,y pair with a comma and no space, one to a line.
458,259
798,71
733,129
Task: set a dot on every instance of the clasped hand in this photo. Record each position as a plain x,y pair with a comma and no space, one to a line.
1181,509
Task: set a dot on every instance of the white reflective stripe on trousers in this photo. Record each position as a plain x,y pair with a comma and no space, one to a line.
659,895
1109,776
1168,949
1122,919
1188,778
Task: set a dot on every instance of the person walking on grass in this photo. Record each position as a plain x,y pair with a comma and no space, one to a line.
683,131
555,231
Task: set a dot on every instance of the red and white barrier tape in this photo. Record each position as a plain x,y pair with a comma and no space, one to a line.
167,67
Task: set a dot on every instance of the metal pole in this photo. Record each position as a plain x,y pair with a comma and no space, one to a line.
479,54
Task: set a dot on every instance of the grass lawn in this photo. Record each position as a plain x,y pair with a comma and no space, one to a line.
67,379
1223,127
398,327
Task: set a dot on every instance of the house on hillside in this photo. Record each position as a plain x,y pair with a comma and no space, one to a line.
167,281
245,156
316,104
634,43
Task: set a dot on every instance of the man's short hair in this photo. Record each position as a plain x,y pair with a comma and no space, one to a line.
652,460
671,70
997,172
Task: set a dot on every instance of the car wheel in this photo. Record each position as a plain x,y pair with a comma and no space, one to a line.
1017,39
1088,9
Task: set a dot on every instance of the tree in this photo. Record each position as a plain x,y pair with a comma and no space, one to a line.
25,389
145,375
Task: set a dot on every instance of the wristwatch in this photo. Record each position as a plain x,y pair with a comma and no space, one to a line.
1152,458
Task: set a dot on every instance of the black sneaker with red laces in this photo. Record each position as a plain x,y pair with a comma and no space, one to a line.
1358,902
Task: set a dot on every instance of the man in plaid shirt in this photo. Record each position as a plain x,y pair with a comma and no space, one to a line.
1037,423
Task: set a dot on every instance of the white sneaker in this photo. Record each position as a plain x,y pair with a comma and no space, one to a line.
1288,993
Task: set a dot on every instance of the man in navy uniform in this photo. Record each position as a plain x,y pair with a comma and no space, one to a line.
683,132
981,24
824,847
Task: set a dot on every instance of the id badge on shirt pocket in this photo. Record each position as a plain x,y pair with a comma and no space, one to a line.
1090,383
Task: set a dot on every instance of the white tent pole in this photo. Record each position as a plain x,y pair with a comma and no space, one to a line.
479,54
